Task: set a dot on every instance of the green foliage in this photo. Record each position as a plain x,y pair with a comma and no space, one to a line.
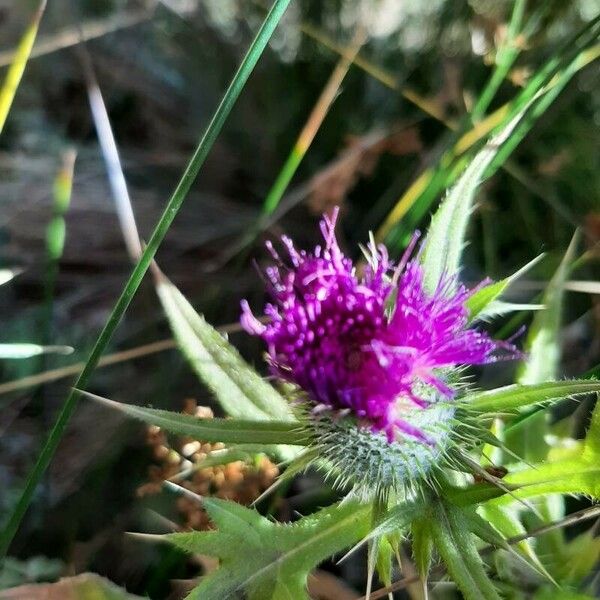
451,532
241,391
484,302
516,396
542,346
445,239
228,431
506,521
267,560
422,545
578,474
18,64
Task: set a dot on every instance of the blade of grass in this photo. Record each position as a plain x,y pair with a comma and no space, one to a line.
18,63
110,153
505,58
433,180
214,127
378,73
313,124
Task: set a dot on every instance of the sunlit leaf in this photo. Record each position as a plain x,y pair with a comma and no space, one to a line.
445,239
241,391
456,545
542,346
516,396
268,560
484,303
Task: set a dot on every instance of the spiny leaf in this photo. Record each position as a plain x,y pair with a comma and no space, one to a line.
456,545
445,239
499,308
591,447
422,545
512,397
474,494
267,560
479,303
240,389
228,431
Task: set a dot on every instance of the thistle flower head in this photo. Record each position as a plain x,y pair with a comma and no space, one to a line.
377,346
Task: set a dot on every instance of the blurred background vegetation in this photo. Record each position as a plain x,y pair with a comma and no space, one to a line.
418,72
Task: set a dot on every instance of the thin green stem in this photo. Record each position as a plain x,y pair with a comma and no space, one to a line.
505,58
174,204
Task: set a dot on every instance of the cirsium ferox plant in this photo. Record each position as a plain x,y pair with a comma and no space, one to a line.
371,390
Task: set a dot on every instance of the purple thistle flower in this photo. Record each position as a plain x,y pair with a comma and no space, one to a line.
371,345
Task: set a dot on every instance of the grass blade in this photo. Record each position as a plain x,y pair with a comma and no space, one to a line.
206,142
551,78
505,58
312,125
17,67
110,153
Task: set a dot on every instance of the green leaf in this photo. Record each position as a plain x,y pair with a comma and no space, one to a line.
445,239
591,447
228,431
241,391
473,494
158,234
543,346
509,525
422,546
484,302
456,545
574,474
581,558
267,560
513,397
395,520
568,476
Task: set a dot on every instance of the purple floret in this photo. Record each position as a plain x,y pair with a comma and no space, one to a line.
371,344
